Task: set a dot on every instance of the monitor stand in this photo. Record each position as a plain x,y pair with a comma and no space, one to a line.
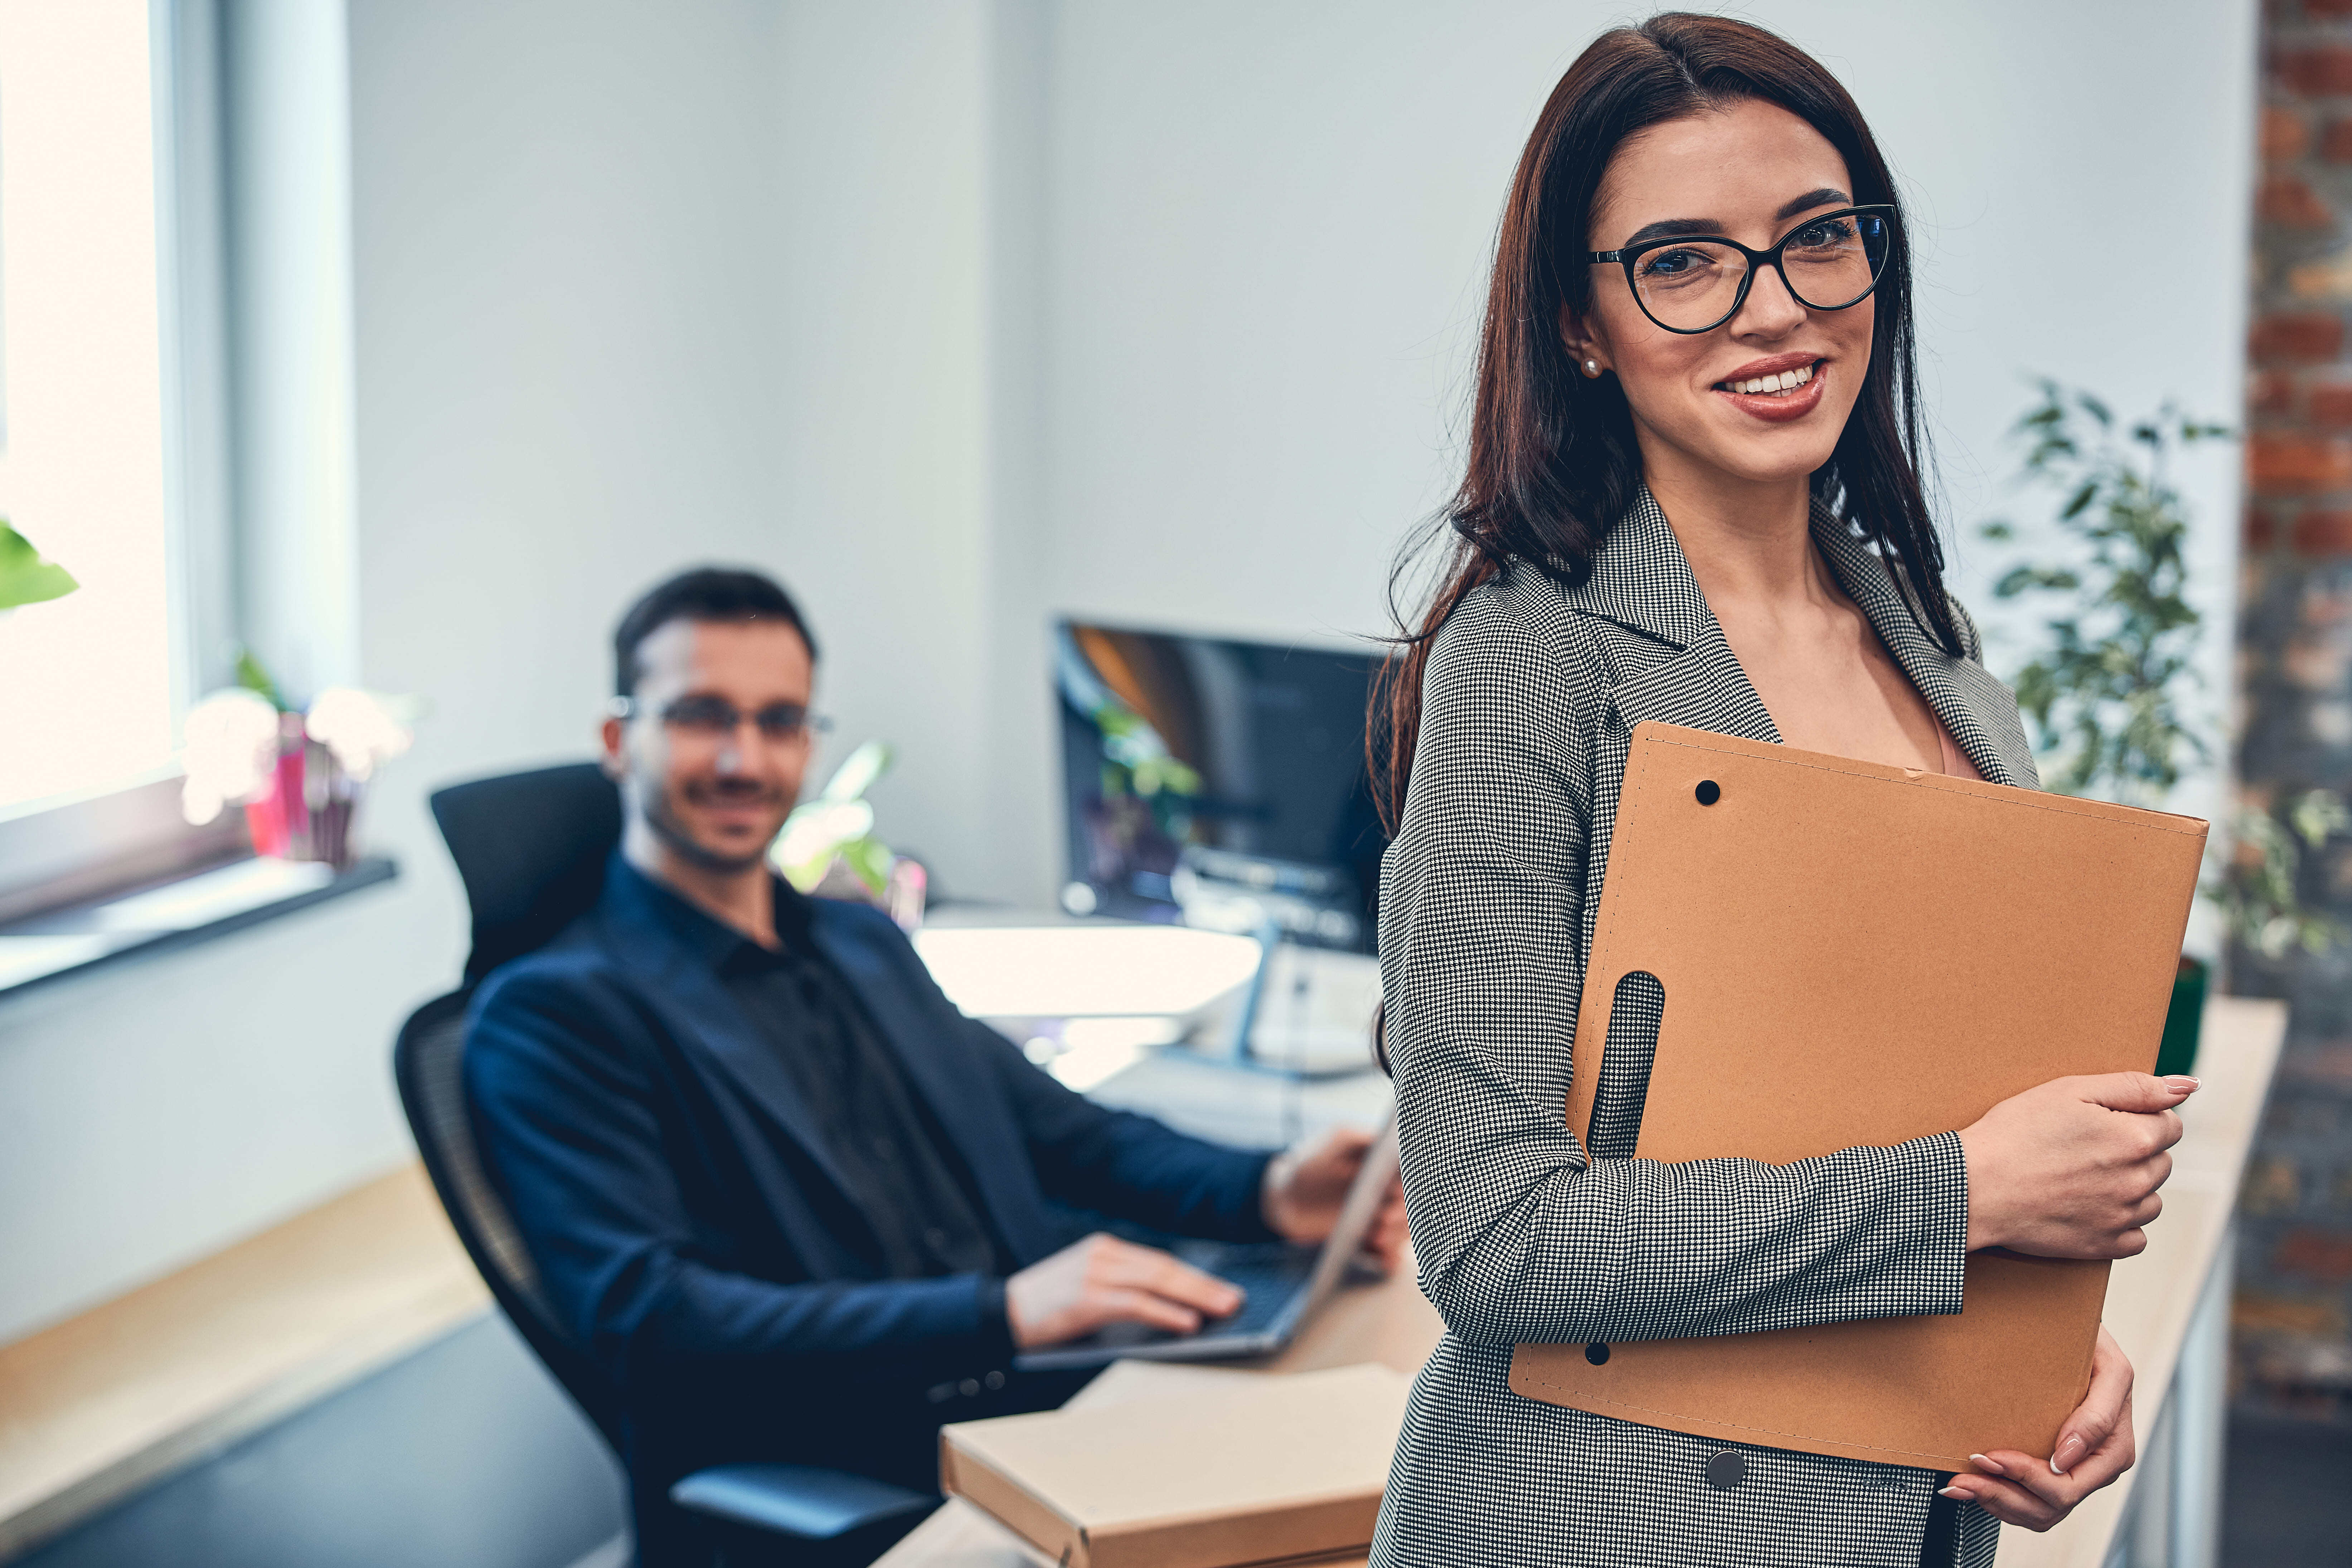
1241,1047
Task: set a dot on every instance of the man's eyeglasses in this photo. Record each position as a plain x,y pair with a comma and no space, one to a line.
1696,283
715,718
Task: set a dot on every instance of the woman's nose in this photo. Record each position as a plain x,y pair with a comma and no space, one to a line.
1771,308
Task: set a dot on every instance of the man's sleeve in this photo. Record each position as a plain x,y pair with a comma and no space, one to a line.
1117,1163
572,1138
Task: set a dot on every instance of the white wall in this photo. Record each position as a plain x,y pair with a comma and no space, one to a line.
1269,229
956,313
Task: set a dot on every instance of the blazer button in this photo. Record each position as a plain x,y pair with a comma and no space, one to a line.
1725,1471
970,1388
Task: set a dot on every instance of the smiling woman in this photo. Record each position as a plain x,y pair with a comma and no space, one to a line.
1693,496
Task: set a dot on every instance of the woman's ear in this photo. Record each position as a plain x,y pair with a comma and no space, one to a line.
1591,357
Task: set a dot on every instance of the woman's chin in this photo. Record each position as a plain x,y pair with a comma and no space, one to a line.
1761,464
1755,453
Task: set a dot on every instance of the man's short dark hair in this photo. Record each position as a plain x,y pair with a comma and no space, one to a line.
705,594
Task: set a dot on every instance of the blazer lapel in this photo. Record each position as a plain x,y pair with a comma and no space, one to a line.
949,1078
1677,668
716,1027
1975,708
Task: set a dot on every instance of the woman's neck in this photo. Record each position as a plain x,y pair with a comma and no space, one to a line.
1748,542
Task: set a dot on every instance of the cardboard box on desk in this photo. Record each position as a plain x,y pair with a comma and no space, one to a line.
1248,1470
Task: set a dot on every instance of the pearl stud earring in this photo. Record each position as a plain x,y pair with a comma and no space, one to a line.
1592,369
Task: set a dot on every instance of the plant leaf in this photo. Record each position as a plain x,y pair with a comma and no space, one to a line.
25,577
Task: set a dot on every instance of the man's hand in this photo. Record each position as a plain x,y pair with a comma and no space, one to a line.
1305,1186
2095,1447
1102,1280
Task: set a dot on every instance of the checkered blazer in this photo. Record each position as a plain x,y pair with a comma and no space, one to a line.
1487,906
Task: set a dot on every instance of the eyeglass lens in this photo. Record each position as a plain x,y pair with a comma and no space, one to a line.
715,716
1690,285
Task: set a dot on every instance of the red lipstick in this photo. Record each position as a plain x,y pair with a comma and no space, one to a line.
1777,408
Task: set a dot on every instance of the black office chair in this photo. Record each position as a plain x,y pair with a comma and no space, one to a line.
531,848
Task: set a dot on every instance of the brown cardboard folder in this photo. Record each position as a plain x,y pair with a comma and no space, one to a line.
1852,954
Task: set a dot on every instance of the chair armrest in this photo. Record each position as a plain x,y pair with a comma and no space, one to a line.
798,1500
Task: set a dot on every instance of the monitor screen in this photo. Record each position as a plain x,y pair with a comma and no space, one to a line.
1216,782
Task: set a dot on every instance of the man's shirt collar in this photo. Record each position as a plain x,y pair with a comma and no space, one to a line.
718,945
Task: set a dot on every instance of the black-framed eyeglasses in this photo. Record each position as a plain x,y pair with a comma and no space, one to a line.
715,718
1696,283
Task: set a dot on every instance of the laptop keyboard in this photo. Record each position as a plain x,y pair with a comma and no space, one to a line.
1271,1274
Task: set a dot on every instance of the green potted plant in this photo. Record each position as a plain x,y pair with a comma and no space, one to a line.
2110,696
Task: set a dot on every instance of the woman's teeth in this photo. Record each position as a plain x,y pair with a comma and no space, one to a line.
1771,385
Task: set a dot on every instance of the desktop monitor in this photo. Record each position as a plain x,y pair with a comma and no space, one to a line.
1218,782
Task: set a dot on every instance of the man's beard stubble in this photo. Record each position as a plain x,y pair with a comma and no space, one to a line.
654,806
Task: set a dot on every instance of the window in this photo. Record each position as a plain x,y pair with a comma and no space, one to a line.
91,684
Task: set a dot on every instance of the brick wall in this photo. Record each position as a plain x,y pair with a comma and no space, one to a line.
2293,1313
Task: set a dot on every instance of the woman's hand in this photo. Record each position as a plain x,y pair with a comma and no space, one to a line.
2070,1169
2095,1447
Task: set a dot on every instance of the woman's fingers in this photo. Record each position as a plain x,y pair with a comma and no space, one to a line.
2094,1445
2005,1500
2093,1424
2023,1490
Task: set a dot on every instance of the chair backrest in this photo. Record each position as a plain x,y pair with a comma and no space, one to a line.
531,849
428,1064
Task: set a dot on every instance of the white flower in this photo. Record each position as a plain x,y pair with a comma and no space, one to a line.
355,726
232,753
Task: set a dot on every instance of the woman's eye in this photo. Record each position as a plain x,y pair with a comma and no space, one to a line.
1671,263
1824,236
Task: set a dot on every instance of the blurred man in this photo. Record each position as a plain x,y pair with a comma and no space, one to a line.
793,1204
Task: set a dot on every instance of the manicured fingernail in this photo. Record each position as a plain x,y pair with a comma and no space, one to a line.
2180,1083
1962,1493
1982,1463
2068,1452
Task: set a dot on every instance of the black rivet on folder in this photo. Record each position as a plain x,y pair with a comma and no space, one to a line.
1725,1471
1709,792
1596,1353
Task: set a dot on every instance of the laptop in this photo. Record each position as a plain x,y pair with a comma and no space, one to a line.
1286,1284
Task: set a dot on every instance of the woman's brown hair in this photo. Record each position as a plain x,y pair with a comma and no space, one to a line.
1553,464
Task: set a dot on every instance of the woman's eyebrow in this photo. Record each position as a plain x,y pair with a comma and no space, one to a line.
1827,197
1671,228
1680,228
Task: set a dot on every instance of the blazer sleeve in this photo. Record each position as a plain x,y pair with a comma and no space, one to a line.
1088,1155
1520,1236
564,1102
1118,1162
